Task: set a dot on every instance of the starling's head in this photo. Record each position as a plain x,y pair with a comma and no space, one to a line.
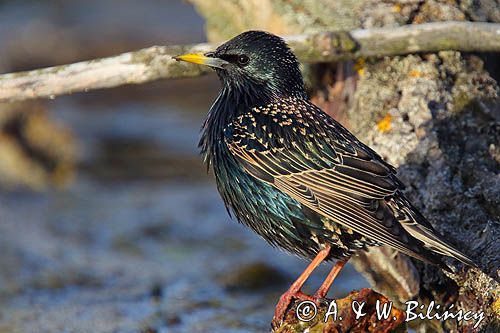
255,59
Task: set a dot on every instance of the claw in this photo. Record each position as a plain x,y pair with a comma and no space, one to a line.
285,301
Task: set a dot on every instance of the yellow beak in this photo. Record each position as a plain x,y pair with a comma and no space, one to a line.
201,59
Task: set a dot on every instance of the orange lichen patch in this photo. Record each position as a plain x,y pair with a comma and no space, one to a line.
396,8
496,307
384,125
359,66
415,73
419,19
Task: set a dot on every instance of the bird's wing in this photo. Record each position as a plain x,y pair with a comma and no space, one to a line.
324,167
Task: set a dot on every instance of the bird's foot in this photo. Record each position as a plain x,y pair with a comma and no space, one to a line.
320,294
285,301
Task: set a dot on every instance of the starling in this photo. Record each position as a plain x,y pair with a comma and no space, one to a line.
294,175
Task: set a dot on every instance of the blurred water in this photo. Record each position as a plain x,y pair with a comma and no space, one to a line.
141,240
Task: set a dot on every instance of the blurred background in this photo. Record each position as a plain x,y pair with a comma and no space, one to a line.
108,220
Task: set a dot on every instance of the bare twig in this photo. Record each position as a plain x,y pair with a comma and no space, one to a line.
156,62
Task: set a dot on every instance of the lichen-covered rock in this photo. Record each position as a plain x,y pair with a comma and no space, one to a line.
357,312
444,125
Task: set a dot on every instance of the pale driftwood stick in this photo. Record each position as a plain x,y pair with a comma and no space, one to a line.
156,62
128,68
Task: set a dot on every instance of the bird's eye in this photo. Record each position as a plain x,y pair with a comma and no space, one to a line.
243,59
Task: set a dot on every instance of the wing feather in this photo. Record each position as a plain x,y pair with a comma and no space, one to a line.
331,172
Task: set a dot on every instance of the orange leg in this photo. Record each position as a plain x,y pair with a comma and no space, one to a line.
294,290
323,290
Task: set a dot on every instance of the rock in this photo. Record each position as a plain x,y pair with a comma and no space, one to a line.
36,151
253,276
343,318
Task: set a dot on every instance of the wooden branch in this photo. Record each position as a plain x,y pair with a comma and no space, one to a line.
157,63
128,68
